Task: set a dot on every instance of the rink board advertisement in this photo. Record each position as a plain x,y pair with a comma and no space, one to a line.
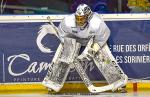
22,61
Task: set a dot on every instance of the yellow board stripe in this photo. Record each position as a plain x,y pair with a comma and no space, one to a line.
22,88
68,88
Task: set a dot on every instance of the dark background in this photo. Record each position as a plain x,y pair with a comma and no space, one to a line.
69,6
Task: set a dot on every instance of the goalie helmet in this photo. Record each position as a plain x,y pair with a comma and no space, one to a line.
82,14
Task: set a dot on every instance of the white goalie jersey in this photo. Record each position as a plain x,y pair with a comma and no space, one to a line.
95,28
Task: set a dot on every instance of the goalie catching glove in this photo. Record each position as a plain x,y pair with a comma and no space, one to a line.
91,49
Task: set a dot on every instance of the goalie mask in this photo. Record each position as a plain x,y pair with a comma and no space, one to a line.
82,15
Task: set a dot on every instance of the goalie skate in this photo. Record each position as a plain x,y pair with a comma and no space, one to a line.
61,64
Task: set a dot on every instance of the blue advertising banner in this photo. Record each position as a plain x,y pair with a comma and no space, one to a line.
22,61
130,43
1,66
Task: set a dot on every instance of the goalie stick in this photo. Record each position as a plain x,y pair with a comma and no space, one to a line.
51,23
86,80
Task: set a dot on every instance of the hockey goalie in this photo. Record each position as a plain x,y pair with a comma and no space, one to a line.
87,29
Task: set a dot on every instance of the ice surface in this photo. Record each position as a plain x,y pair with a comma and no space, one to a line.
138,94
